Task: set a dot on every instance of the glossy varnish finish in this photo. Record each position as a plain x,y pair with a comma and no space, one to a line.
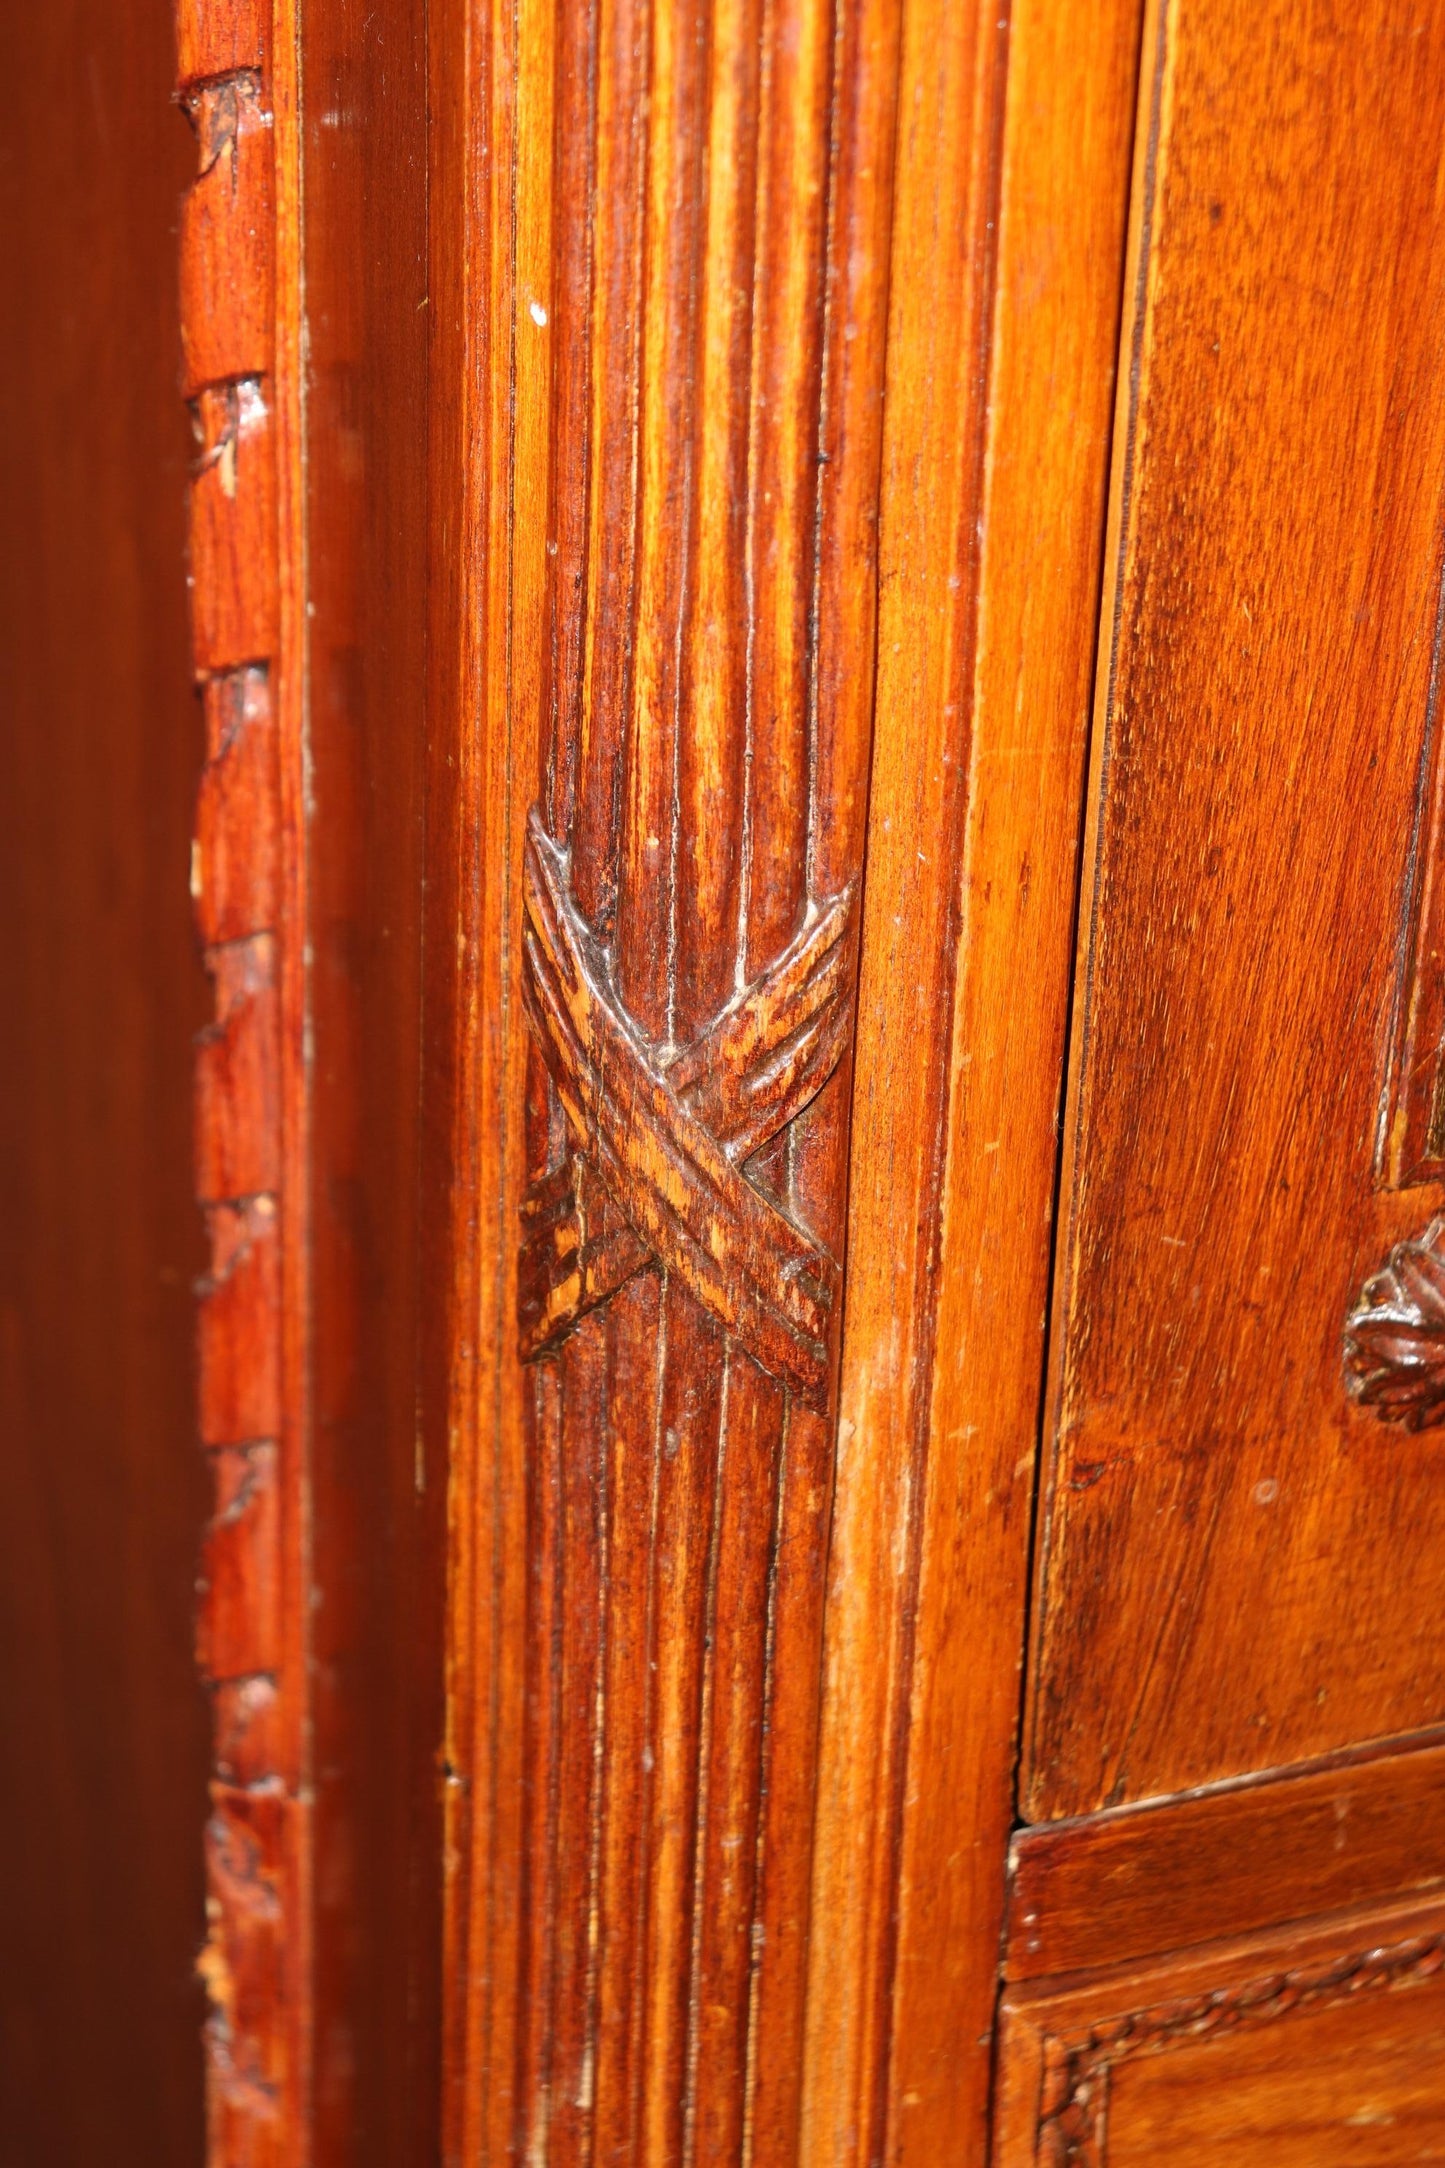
377,1475
685,374
239,375
714,339
487,452
1012,176
1323,2044
614,1981
1238,1570
1142,1881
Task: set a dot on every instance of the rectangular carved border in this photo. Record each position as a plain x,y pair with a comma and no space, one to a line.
238,223
1061,2041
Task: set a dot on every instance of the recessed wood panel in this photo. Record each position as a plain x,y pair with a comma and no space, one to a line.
1325,2046
1238,1568
1356,2083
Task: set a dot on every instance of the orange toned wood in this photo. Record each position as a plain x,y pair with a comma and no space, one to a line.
1353,2082
239,275
228,239
666,1136
486,578
1237,1568
1145,1880
1003,315
702,238
216,38
236,869
1322,2046
239,1386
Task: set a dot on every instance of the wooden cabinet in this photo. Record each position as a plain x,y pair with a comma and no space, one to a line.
817,634
1234,1568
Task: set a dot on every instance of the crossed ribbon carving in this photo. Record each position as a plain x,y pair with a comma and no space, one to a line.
660,1137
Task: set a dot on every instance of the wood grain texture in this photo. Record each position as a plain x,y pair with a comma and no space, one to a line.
710,629
666,1133
681,224
1143,1881
491,149
103,1725
1325,2045
239,253
1237,1569
1009,202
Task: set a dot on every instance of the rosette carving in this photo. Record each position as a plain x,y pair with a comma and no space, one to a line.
1395,1337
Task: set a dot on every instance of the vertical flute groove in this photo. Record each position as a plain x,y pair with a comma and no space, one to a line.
680,857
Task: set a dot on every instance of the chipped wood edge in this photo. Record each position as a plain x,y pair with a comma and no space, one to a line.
240,297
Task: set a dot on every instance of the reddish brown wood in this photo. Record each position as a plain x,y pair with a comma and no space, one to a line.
666,1135
485,655
653,386
103,1752
656,788
238,336
1238,1570
704,248
216,38
379,1446
1003,318
1322,2045
1146,1880
236,870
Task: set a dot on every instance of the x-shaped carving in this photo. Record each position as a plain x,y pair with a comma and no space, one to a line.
659,1137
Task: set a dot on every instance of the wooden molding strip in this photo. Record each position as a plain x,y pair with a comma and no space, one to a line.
245,864
1142,1881
1009,208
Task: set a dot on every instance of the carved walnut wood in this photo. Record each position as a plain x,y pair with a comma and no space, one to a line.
583,1558
243,861
668,1133
1074,2093
712,337
1296,2042
1395,1337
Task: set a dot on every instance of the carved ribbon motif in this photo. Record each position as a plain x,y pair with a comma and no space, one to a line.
1073,2098
661,1135
1395,1337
